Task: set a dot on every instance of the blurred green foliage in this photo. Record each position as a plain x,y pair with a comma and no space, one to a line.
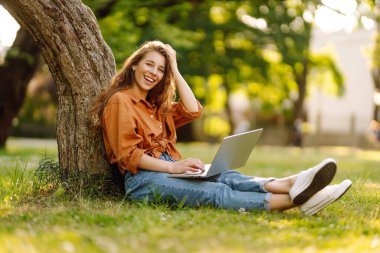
259,47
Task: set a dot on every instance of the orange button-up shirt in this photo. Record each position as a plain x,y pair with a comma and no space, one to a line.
133,127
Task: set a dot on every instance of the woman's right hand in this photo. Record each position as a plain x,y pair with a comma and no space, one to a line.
190,164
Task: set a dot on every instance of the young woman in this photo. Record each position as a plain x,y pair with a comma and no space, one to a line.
138,118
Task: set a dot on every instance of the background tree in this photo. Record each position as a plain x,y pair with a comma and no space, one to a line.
375,55
375,71
21,62
287,32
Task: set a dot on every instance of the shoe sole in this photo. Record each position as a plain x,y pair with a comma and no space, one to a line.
337,195
322,178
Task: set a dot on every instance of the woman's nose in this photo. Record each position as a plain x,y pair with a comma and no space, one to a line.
153,71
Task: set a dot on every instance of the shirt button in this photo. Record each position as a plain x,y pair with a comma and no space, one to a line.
151,116
160,126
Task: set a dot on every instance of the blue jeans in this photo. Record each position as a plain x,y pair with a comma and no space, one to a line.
228,190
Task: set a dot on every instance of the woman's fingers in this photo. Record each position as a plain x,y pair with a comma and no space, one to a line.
172,55
195,164
170,50
190,164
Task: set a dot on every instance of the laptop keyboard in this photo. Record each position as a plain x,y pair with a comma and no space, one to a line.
207,166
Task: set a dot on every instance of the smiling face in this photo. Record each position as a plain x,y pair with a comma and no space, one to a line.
148,72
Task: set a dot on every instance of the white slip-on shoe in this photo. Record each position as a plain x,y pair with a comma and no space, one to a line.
311,181
325,197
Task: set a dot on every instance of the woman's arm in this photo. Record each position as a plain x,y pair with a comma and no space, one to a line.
153,164
185,93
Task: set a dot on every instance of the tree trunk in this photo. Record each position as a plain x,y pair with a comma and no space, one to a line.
81,65
23,59
375,72
20,64
301,84
295,136
185,133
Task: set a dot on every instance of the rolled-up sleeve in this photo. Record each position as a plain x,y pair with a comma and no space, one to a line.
119,129
182,116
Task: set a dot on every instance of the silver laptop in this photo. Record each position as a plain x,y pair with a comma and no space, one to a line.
233,153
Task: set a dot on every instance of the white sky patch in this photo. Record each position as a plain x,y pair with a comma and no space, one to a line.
337,15
347,7
8,28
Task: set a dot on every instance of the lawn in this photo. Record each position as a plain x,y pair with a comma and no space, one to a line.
32,222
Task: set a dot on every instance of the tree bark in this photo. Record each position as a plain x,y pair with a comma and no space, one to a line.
375,72
81,65
295,134
301,80
20,64
185,133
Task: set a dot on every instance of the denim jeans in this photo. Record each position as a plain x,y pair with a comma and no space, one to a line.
228,190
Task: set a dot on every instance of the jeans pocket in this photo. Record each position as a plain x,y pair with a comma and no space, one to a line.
129,182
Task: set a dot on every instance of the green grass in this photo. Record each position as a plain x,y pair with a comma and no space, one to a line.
53,223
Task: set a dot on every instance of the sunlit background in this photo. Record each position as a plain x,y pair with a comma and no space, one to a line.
342,30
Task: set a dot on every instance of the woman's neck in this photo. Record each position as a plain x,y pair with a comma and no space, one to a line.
141,94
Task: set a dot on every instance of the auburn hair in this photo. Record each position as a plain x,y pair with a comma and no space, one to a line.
161,95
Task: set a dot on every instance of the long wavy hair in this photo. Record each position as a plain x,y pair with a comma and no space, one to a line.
161,95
